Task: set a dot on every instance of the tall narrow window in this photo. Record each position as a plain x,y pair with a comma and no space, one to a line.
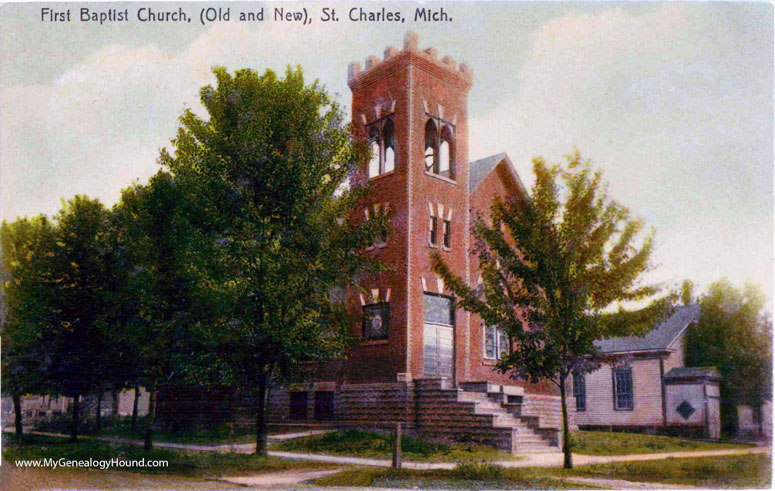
623,397
433,226
447,234
375,153
580,391
431,147
388,137
496,343
446,154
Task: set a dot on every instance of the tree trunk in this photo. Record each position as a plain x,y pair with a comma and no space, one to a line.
566,443
134,408
76,418
98,411
17,409
150,420
115,395
263,392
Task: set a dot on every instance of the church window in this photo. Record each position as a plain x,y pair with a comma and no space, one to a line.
433,226
431,147
376,321
388,136
623,400
374,144
580,391
496,343
446,154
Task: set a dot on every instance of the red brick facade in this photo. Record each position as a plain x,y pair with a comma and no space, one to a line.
402,102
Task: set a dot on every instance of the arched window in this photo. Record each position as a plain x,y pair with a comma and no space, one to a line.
375,152
446,153
388,138
431,147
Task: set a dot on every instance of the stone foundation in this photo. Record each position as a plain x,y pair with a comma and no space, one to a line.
434,410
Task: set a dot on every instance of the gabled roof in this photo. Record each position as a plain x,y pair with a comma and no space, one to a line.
659,338
478,170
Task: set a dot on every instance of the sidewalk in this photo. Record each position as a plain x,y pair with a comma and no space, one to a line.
534,460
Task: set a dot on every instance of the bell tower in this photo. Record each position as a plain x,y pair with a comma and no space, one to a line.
411,106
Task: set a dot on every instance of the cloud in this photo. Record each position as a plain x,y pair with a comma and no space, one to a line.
103,120
662,101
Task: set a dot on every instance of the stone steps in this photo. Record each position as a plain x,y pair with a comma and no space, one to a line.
526,432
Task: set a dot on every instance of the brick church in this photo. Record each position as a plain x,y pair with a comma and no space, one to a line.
421,361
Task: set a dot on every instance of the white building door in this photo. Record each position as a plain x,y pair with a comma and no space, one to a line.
438,351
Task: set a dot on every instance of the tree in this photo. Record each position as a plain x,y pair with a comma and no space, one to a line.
267,174
551,266
735,336
77,338
687,292
156,242
27,246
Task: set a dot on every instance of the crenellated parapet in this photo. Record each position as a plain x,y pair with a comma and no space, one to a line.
355,72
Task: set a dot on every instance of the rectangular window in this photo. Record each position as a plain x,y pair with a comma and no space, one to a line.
496,343
433,225
439,309
580,391
376,320
447,233
623,400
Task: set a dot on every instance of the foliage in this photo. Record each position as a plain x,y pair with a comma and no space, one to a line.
266,174
734,335
76,336
27,247
551,266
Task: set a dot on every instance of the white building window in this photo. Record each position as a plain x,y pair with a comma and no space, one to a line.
496,343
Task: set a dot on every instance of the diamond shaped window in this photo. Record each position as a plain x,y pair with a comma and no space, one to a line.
685,410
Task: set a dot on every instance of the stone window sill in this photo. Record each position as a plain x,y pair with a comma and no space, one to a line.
375,342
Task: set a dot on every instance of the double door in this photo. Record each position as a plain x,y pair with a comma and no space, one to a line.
438,350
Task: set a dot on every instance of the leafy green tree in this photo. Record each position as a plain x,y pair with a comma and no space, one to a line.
267,173
27,246
156,240
551,266
77,339
735,336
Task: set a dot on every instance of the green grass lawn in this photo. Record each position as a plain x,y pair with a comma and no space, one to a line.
471,476
380,446
203,436
199,464
733,471
221,434
618,443
740,471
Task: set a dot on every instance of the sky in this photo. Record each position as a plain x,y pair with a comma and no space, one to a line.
673,101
